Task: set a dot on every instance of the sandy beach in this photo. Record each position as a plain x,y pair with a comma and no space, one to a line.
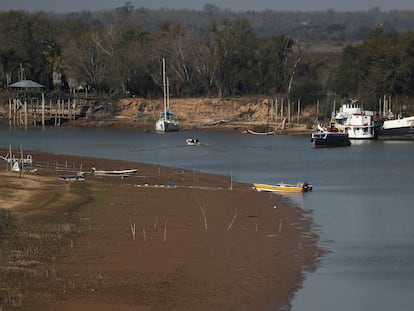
163,239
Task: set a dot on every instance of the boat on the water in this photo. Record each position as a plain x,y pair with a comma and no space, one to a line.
192,141
166,122
283,187
401,128
353,120
114,172
330,137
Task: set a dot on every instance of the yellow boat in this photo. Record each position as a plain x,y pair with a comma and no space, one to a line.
282,187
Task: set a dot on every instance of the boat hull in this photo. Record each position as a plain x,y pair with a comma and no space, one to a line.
260,133
166,126
114,172
330,139
192,142
401,133
72,177
359,132
304,187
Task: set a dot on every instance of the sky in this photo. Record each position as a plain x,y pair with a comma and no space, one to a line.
65,6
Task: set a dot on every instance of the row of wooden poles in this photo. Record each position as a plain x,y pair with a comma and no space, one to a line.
285,108
21,112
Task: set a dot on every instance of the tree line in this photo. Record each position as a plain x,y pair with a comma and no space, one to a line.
118,56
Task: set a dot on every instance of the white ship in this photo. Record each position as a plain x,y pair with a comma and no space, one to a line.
354,121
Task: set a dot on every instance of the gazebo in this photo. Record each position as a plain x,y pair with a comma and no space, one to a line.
25,85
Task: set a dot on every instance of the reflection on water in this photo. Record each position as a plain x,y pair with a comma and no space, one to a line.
362,198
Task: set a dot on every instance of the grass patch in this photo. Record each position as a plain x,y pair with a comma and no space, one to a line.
35,236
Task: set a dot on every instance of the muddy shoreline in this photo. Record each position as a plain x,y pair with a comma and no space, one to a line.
165,239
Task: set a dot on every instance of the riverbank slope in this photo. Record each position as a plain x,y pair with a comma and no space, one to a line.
164,239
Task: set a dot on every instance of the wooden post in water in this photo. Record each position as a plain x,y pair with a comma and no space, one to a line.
10,112
43,109
35,111
73,106
14,112
56,113
289,110
71,111
25,114
61,107
276,109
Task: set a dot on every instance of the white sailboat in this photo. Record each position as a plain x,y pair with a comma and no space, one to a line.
166,123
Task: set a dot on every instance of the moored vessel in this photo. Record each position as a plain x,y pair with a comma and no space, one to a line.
166,122
401,128
330,137
283,187
353,120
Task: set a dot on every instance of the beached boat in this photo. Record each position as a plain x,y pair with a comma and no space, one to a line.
283,187
260,133
72,177
330,137
114,172
192,141
166,122
397,129
353,120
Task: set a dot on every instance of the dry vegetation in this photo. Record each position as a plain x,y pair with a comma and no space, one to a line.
137,244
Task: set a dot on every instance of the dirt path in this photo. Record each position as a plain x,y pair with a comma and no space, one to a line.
19,191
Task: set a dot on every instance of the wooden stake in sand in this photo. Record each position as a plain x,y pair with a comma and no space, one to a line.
202,212
133,230
236,212
165,231
155,222
280,225
144,234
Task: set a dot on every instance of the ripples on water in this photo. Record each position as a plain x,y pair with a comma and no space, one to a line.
362,198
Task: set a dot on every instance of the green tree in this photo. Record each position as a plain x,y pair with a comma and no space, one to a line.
382,64
273,63
231,46
28,47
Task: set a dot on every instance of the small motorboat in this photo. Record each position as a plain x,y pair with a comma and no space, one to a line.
192,141
283,187
114,172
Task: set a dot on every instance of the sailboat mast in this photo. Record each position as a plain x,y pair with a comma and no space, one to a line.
164,89
168,94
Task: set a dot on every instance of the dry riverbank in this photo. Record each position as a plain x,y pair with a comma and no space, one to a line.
165,239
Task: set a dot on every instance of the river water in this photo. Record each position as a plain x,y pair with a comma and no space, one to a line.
362,200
